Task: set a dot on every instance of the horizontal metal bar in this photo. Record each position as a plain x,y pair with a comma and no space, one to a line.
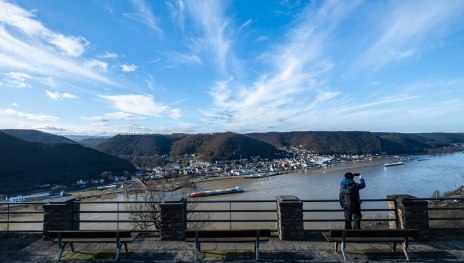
118,221
119,202
21,231
231,211
233,221
21,213
21,222
341,210
342,220
232,201
337,201
116,212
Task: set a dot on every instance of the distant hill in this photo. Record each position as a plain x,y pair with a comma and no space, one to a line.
93,142
324,142
141,145
229,146
37,136
27,164
224,146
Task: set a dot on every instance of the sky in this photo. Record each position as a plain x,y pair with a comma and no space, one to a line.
104,67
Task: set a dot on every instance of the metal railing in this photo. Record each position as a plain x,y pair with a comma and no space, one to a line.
317,214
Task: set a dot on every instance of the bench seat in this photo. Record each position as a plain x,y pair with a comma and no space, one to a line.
227,236
119,238
394,236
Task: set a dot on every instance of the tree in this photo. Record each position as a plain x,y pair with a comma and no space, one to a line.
146,215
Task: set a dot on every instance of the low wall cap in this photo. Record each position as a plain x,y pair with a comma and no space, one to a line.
287,198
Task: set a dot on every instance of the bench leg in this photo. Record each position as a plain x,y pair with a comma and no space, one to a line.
197,249
336,246
403,245
257,249
61,246
344,245
125,246
72,247
118,251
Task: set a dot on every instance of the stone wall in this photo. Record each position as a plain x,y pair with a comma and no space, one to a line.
412,213
61,215
173,218
290,218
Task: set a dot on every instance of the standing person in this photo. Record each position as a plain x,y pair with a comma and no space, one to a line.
350,201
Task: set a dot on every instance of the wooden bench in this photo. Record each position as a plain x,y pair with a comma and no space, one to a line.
227,236
64,237
370,236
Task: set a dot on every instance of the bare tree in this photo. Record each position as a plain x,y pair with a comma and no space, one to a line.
146,215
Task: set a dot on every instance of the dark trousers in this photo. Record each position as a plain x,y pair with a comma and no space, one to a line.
353,213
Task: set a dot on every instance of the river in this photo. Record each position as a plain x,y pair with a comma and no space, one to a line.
421,176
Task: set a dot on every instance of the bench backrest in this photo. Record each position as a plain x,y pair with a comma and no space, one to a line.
91,233
371,233
265,233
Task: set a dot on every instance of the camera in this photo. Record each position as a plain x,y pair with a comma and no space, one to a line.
356,174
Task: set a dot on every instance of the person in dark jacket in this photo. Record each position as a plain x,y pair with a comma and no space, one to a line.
350,201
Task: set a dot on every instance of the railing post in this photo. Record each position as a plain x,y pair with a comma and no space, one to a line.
173,219
290,218
412,213
62,214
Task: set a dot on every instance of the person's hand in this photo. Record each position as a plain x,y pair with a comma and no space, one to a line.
360,176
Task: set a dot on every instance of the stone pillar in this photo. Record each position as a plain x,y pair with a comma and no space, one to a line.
61,214
412,214
290,218
173,218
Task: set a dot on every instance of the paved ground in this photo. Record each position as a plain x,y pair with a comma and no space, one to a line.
32,248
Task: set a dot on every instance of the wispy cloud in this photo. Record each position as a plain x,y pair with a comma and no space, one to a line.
112,117
293,86
141,104
24,21
31,56
209,15
144,15
408,26
59,96
128,67
109,54
18,80
96,64
29,116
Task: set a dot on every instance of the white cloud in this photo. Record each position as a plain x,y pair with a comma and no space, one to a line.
111,117
128,67
292,86
408,26
141,104
29,116
24,21
96,64
59,96
209,15
25,46
144,15
19,80
109,54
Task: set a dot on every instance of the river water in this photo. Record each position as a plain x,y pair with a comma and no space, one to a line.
421,176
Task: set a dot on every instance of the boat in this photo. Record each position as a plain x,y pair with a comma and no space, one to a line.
393,164
217,192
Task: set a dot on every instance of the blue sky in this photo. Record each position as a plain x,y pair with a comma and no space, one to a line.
108,67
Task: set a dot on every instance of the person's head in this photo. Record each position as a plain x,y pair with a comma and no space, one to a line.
349,175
